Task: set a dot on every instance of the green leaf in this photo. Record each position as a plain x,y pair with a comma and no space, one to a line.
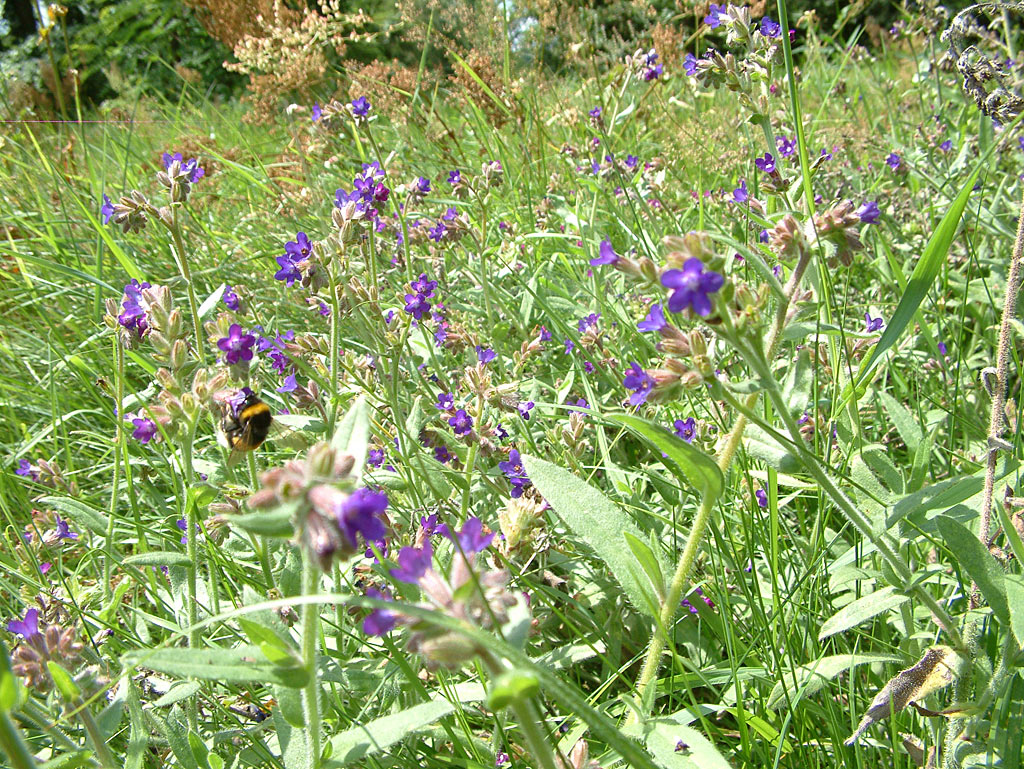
904,420
138,733
156,558
691,465
512,686
352,434
63,682
978,562
241,665
176,736
861,610
1014,584
806,680
598,523
921,279
648,561
371,738
12,693
179,691
266,523
211,301
662,737
79,512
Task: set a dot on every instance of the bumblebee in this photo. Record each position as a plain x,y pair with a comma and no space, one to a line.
246,423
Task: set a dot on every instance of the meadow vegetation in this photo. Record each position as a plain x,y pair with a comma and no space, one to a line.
658,412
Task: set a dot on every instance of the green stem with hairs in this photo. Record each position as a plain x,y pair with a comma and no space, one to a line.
1004,353
99,742
684,568
192,552
310,638
186,274
14,746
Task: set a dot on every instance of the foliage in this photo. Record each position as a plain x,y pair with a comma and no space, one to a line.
653,415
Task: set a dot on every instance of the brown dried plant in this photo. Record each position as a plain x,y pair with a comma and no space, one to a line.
287,54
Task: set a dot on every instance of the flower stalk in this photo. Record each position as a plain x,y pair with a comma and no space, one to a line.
684,568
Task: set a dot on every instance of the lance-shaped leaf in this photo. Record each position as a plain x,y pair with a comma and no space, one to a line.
935,670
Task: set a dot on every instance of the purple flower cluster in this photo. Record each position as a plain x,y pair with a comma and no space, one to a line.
368,192
652,69
416,303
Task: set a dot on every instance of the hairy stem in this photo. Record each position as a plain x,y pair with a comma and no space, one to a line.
310,638
1004,352
186,274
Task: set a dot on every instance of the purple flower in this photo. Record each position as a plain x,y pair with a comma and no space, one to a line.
640,382
454,177
450,214
785,145
431,526
461,422
375,458
485,355
423,286
569,345
943,351
446,401
766,164
545,335
873,324
588,322
316,112
690,64
145,428
716,13
606,255
770,28
653,73
893,161
500,759
360,107
471,536
27,470
524,409
422,185
437,232
413,563
106,210
289,271
417,305
190,167
230,298
236,345
133,316
27,628
946,146
761,497
379,621
691,287
740,194
655,320
63,530
361,513
869,212
685,428
443,455
595,112
288,385
513,470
